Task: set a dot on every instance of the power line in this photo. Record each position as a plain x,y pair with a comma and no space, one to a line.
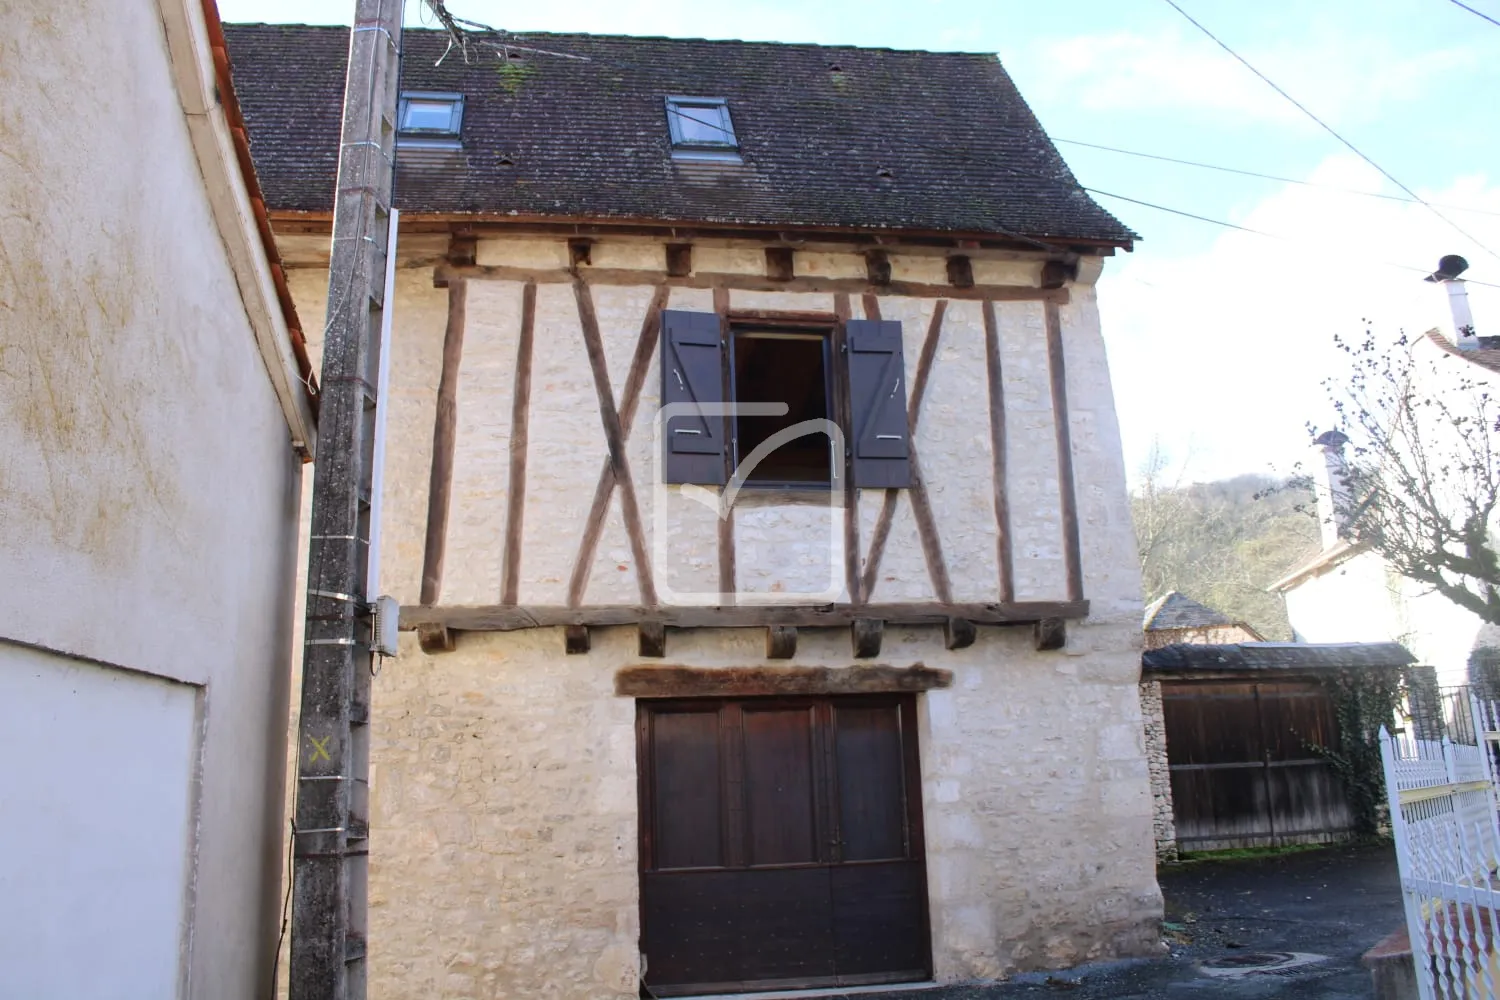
1476,13
1257,232
1328,128
1267,177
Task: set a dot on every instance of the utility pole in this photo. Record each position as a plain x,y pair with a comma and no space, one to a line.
331,843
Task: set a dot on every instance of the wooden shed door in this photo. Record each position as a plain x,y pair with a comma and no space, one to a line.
1242,773
781,844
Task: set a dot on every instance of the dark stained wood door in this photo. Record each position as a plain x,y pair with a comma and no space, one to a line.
1242,773
781,844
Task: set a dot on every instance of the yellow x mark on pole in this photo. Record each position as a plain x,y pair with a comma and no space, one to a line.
320,749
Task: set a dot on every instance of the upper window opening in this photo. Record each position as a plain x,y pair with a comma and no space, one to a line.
429,114
700,123
790,368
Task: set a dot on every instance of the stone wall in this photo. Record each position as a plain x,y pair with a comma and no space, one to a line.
1153,717
504,793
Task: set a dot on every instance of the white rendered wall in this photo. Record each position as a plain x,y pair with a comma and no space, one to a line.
148,485
97,838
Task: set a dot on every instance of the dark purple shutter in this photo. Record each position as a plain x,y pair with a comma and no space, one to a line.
692,371
877,396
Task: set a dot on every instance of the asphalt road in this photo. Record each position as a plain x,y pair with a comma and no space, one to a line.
1333,903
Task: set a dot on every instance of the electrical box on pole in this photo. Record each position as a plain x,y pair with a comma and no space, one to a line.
330,845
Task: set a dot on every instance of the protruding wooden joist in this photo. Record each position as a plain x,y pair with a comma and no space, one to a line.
576,639
866,635
878,267
959,633
652,639
1050,633
580,252
781,642
1056,273
508,618
435,638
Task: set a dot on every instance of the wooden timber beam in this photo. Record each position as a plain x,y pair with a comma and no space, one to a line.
508,618
781,642
719,682
445,273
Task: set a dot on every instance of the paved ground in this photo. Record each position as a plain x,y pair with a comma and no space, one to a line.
1334,903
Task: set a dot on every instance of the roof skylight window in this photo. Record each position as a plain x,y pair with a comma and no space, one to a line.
424,113
701,123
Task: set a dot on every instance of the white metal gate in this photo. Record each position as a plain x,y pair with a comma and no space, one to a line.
1443,804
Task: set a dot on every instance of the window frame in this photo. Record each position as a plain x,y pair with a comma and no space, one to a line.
730,144
455,116
825,336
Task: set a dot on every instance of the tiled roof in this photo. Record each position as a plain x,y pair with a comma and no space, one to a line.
1178,611
1486,355
1278,656
572,139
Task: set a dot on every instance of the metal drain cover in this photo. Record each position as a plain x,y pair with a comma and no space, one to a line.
1258,963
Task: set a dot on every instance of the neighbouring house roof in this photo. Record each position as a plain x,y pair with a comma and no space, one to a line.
1176,610
549,137
1277,656
1485,356
1318,563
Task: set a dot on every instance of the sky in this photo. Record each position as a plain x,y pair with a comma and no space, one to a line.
1219,340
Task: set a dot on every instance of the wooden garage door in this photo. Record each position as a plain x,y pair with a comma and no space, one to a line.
1242,773
781,844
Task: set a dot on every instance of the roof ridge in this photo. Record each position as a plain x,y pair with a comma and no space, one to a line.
593,36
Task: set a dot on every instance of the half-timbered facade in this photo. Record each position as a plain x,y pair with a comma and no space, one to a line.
754,496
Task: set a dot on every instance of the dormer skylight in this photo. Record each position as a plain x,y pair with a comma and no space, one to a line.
701,125
428,114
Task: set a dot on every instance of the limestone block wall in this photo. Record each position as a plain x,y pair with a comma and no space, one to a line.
504,794
1154,720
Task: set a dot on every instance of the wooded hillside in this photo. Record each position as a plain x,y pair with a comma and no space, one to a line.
1223,543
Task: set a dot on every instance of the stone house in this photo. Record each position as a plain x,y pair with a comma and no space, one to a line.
1176,618
712,682
154,420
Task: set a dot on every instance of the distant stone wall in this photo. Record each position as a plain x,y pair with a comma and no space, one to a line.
1153,718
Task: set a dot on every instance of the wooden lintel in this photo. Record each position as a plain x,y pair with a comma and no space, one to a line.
507,618
753,283
1050,633
781,642
652,639
576,639
435,638
865,635
959,633
721,682
783,317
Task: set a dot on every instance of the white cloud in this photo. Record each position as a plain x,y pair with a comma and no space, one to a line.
1174,70
1222,354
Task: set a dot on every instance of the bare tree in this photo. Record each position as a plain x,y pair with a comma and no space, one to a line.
1424,483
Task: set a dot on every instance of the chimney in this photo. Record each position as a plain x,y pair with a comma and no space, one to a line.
1331,486
1447,275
